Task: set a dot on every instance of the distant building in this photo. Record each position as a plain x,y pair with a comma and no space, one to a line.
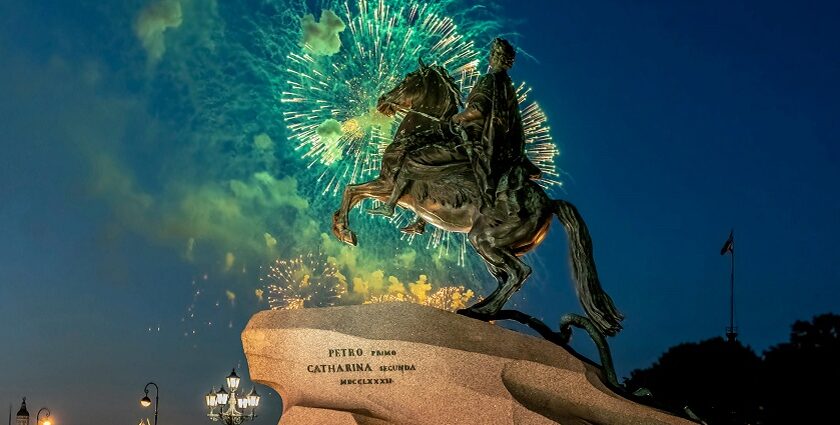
22,417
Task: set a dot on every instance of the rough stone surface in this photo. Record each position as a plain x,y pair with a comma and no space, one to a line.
300,415
455,370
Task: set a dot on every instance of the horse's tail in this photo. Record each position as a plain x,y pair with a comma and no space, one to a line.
597,304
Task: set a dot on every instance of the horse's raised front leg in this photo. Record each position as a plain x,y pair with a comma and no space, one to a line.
353,194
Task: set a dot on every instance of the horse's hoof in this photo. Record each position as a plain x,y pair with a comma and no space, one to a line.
347,236
475,314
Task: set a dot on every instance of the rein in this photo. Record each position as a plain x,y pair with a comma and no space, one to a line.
422,114
460,132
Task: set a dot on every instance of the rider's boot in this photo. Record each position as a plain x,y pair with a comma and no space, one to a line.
416,228
387,209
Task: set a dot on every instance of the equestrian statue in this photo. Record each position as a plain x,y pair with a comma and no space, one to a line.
467,172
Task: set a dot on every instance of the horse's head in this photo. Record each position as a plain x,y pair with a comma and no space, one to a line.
428,89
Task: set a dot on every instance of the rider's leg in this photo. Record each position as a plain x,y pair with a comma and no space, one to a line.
387,208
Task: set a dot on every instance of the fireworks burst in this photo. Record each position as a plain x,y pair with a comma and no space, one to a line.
330,99
311,280
449,298
539,146
304,281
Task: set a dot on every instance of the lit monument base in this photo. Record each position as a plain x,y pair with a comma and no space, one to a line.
402,363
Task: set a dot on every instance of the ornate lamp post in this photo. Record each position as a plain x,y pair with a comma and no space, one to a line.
46,418
233,405
146,401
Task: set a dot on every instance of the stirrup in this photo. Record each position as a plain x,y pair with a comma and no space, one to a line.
383,210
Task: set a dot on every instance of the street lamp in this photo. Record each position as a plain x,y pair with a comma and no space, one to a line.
46,419
232,380
233,405
146,401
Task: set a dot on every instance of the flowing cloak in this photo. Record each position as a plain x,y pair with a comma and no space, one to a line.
498,138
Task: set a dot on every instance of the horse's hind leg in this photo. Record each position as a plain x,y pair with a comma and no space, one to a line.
507,267
501,277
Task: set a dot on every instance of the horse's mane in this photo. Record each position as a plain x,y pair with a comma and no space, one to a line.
449,83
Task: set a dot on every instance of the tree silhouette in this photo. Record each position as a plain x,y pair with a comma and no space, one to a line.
715,378
801,376
725,382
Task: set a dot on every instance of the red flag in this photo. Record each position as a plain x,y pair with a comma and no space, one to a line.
729,245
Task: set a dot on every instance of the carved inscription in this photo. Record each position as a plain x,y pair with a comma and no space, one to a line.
359,366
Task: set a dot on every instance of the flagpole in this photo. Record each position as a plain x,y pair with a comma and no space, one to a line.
731,333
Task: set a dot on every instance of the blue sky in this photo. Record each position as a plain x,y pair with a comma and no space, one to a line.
677,121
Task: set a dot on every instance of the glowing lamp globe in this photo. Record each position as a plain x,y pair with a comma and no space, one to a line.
253,397
145,401
242,403
211,399
222,397
233,380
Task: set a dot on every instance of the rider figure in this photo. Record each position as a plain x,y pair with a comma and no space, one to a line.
495,139
493,126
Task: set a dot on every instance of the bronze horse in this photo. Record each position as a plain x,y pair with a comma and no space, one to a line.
444,193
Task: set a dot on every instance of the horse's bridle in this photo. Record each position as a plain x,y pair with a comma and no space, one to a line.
424,71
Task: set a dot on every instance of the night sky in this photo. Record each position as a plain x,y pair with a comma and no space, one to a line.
676,123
